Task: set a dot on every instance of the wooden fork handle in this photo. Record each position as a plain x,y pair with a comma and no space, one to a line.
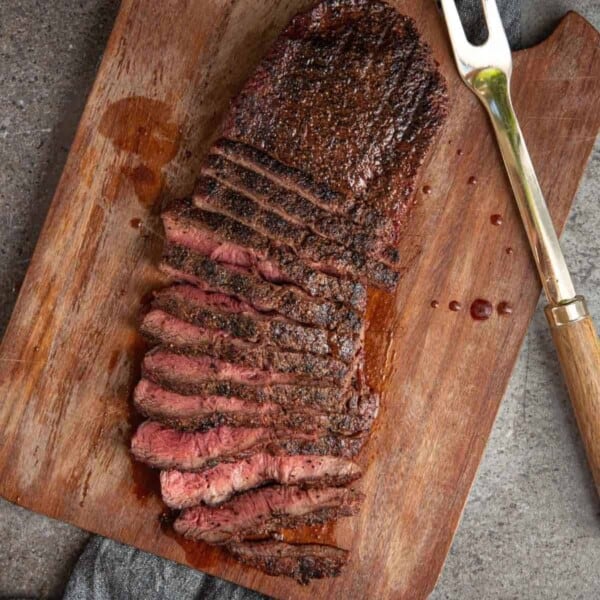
579,354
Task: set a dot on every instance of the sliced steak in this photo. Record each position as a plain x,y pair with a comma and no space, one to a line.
161,328
182,489
186,265
265,511
200,412
202,375
320,253
239,320
325,116
301,562
255,387
297,207
225,239
164,448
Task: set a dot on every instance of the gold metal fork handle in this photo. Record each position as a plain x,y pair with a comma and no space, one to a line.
560,315
492,86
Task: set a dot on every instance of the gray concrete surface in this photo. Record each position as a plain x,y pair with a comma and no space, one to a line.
531,528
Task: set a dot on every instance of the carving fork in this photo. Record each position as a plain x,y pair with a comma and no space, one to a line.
486,70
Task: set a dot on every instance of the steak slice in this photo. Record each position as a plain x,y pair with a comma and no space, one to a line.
182,489
161,328
302,562
202,375
320,253
265,511
343,109
165,448
225,239
200,412
203,412
239,320
330,224
186,265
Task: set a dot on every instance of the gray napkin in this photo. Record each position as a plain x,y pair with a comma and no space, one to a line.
107,570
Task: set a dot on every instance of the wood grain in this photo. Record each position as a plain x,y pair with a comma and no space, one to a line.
70,356
579,355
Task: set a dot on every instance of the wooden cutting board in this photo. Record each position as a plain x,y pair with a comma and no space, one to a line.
70,356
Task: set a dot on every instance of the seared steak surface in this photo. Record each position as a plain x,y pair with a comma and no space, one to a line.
302,562
346,104
254,387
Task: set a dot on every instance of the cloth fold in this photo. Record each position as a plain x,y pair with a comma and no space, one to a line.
108,570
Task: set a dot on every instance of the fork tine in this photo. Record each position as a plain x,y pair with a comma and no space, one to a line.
497,33
460,44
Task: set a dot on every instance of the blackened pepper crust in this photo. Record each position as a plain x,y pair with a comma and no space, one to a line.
350,97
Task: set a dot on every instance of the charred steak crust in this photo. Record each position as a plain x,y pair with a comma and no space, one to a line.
318,251
160,328
301,562
330,224
363,147
226,314
188,375
202,412
226,239
255,389
291,302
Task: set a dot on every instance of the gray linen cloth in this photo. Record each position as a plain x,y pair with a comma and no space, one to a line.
108,570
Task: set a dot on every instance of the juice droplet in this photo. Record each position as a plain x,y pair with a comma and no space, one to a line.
435,304
427,189
496,220
472,180
460,152
455,306
136,223
509,251
505,308
166,519
481,310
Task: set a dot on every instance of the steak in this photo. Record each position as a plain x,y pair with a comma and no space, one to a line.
165,448
254,388
239,320
301,562
203,412
320,253
227,240
343,109
184,264
265,511
184,489
161,447
296,207
161,328
203,375
200,412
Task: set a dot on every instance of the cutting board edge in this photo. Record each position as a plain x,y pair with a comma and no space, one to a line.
79,134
